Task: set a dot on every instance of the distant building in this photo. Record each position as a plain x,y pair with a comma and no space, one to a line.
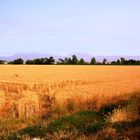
3,62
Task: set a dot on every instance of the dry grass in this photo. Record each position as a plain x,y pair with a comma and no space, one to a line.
124,114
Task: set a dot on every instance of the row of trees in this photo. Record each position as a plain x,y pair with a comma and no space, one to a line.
41,61
122,61
72,61
37,61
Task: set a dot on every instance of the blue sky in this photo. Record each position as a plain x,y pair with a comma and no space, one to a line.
96,27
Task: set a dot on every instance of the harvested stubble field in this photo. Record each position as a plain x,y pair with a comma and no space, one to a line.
53,91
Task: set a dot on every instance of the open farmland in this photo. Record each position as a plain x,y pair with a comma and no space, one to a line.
83,84
54,91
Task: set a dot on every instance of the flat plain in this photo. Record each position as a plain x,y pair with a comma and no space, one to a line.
106,79
56,90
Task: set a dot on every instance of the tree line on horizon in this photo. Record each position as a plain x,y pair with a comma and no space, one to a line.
71,61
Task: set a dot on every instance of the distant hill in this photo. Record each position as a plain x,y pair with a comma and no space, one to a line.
28,56
87,57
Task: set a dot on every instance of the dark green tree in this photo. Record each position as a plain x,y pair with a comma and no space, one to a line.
118,62
82,61
69,61
29,62
93,61
74,60
51,60
122,61
37,61
17,61
104,61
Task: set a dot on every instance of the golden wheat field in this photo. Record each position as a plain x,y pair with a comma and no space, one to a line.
40,95
22,88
